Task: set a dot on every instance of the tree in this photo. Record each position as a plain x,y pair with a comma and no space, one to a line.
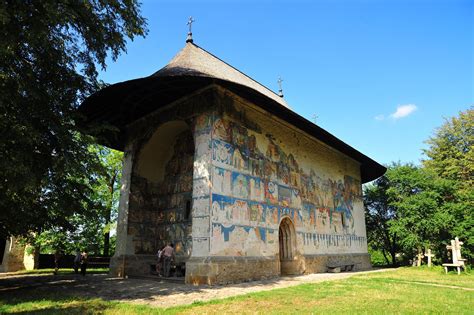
378,216
451,150
408,209
451,156
91,231
49,52
106,191
423,202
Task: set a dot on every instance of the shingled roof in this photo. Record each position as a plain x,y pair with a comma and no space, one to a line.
193,60
192,69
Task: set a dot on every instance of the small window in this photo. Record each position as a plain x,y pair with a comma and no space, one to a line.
343,220
188,210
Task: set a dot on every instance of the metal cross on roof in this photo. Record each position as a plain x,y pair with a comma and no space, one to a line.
189,39
280,91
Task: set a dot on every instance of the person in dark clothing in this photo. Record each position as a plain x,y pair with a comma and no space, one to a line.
84,261
57,257
77,261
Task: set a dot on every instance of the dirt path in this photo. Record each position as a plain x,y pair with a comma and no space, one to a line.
152,292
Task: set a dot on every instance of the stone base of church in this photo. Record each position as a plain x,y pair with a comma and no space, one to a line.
320,263
223,270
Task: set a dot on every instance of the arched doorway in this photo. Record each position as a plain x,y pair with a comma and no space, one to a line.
287,241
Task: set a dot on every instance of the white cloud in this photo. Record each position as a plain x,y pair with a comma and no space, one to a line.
379,117
403,111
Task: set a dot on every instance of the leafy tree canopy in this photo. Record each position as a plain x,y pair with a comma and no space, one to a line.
49,53
451,150
92,231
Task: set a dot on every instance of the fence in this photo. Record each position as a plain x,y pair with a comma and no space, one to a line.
67,261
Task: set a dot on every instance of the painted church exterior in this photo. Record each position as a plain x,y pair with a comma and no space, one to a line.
220,166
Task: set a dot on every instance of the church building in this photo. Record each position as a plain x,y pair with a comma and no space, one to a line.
222,167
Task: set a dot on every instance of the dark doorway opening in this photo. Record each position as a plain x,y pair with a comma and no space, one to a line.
287,241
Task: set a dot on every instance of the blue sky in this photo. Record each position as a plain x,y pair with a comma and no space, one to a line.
379,75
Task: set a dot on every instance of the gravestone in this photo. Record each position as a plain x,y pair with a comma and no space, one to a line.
419,257
429,255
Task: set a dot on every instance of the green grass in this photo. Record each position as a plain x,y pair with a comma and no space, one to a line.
405,290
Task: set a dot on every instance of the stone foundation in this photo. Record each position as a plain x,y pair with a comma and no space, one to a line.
319,263
223,270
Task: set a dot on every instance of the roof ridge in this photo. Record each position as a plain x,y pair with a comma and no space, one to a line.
264,86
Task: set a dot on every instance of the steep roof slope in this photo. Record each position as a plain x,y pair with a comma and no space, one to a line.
191,70
194,60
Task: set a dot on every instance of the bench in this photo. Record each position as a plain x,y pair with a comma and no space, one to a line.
458,261
98,262
458,267
340,267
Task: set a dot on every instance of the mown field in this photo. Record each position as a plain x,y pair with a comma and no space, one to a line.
405,290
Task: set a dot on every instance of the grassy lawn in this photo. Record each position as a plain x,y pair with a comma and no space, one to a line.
405,290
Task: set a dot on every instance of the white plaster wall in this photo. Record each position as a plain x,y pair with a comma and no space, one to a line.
124,243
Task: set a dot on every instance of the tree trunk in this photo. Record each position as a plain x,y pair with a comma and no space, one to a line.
385,256
394,257
108,214
107,234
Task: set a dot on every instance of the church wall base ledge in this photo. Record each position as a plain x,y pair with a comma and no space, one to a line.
225,270
319,263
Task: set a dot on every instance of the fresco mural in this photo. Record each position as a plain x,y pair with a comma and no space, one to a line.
160,212
253,188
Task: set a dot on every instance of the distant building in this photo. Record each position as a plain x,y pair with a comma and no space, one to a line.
14,256
219,165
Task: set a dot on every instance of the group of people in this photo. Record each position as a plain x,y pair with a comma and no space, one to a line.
165,257
80,261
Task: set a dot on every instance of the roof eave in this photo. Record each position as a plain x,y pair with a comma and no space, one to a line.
125,99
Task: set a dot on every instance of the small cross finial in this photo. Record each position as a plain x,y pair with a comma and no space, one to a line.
189,39
280,91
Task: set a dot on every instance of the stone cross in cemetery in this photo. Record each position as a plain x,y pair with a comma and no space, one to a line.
429,255
419,257
458,261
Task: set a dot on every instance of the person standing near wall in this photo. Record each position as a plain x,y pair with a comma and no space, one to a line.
168,255
77,261
57,257
159,262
